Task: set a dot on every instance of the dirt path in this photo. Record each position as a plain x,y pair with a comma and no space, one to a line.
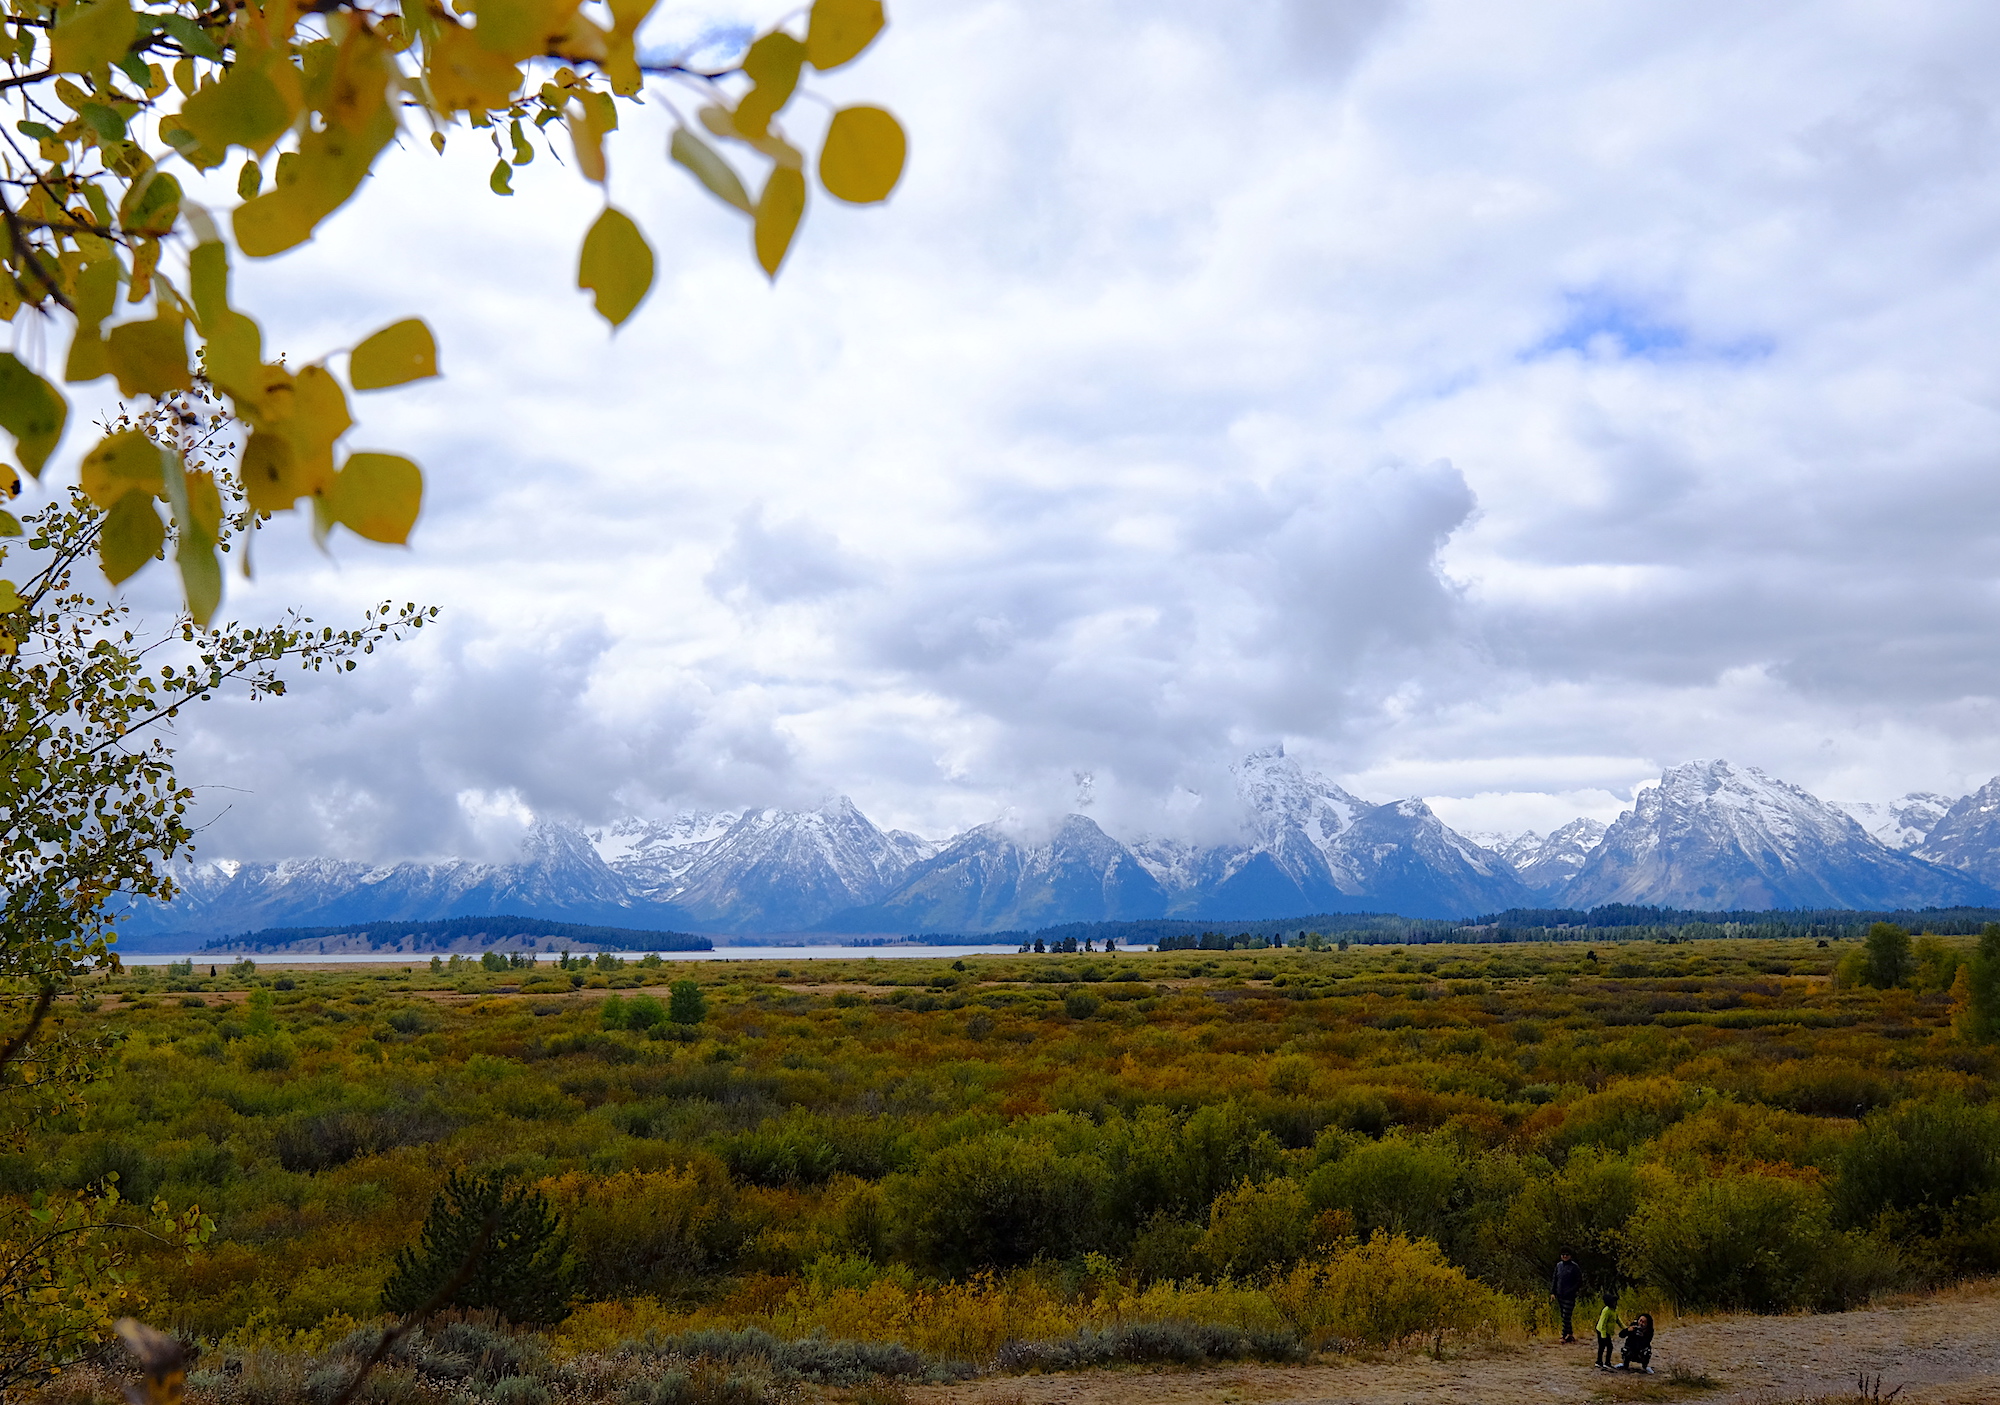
1941,1351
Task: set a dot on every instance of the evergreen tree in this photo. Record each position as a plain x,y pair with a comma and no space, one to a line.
686,1004
523,1271
1888,955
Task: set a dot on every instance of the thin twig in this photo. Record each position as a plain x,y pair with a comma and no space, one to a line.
411,1321
19,1041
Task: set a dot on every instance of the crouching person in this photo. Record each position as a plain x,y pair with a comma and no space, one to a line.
1637,1352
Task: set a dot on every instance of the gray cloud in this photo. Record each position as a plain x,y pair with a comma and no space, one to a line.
1492,404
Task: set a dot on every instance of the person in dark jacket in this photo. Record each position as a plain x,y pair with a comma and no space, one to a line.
1637,1351
1567,1283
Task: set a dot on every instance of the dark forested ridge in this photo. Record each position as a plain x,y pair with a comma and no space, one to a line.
443,935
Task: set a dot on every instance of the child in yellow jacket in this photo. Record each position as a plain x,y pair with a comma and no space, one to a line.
1607,1327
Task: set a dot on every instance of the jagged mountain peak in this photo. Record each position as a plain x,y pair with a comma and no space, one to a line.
1716,835
1903,823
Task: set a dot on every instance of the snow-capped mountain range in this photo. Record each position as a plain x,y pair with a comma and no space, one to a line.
1711,835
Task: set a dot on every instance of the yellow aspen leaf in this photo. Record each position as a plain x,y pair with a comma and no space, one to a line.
87,359
268,473
249,180
150,357
121,464
94,292
233,359
710,169
318,417
779,209
194,548
589,119
720,121
204,502
132,535
524,150
271,224
377,496
773,65
145,259
501,182
616,265
249,106
184,76
31,410
208,281
10,599
464,76
840,29
520,29
621,57
401,352
863,156
583,38
327,169
92,35
10,525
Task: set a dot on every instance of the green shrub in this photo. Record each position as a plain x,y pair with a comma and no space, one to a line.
1928,1170
1750,1241
685,1003
1255,1228
995,1201
1399,1185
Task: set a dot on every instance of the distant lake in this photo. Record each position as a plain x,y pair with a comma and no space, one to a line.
721,953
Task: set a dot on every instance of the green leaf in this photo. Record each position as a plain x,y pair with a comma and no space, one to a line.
399,353
498,181
710,169
524,150
243,108
102,120
863,156
191,36
249,181
10,525
31,410
377,496
152,205
779,210
92,35
616,265
841,29
132,536
40,131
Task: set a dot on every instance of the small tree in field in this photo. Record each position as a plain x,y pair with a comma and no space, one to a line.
1888,956
685,1003
504,1248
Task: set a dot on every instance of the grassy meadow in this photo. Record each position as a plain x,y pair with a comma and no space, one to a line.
934,1166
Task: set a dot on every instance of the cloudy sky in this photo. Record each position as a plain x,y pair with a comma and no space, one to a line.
1494,403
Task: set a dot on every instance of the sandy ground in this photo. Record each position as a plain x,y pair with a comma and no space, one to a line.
1939,1351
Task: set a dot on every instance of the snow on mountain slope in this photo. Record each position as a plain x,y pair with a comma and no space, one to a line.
1545,864
1402,858
783,870
1899,824
558,875
992,879
1967,837
1714,836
